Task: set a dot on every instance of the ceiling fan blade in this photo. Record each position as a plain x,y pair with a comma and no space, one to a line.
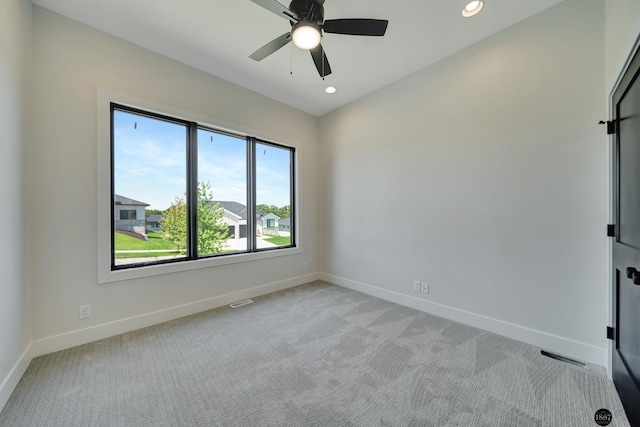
277,8
356,27
320,59
271,47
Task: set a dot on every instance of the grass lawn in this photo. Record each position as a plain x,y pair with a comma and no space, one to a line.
155,242
278,240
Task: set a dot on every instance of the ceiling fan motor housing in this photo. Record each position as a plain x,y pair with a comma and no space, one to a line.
307,10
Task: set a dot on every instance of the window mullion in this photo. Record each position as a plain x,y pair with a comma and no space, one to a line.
192,190
251,195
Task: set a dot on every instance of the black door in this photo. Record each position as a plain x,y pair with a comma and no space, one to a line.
626,248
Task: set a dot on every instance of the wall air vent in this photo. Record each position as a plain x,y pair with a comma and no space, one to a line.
563,359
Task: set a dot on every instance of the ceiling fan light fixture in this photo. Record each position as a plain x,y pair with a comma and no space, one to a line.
306,35
472,8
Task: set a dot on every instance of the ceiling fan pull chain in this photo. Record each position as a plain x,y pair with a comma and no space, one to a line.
291,60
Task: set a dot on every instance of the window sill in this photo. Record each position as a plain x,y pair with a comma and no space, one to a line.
177,267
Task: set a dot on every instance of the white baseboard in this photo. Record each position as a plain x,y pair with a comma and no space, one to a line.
11,381
552,343
105,330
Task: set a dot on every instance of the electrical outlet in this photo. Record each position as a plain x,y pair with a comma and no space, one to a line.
305,265
424,287
85,311
416,285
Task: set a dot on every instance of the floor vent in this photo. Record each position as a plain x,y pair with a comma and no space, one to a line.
241,303
563,359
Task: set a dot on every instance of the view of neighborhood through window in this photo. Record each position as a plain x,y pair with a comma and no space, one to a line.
149,176
222,176
273,194
154,218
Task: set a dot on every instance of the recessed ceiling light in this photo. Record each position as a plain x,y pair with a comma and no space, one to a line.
330,89
472,8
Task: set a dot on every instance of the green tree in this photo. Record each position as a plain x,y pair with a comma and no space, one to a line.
174,224
283,212
263,208
212,231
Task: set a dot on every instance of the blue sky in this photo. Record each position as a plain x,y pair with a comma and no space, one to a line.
150,163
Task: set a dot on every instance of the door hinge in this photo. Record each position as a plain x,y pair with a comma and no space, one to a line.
611,230
609,333
611,126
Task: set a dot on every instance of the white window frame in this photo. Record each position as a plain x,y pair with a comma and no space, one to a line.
105,273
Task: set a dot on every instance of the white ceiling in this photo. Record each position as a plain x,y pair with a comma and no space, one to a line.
217,36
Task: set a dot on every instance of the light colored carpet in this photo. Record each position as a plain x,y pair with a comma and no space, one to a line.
314,355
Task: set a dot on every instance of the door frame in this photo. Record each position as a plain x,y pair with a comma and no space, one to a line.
612,196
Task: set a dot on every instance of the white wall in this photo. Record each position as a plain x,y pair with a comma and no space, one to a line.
496,162
70,62
622,32
15,312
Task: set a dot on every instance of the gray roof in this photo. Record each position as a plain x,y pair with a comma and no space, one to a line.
155,218
240,209
121,200
261,215
285,221
234,207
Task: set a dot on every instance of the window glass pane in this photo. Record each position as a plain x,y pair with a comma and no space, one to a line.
149,176
222,193
273,196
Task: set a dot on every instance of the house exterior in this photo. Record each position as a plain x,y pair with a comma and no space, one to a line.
284,225
235,216
153,222
129,214
267,223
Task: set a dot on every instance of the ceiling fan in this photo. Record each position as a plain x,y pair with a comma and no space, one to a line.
307,24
